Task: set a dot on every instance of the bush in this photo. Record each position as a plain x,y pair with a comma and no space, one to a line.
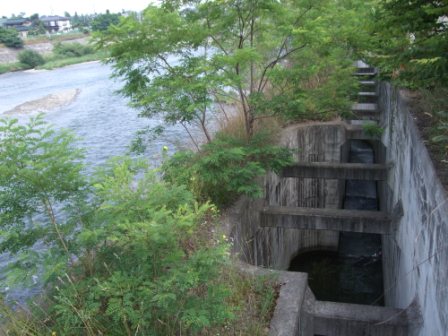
128,254
72,49
31,58
10,38
226,168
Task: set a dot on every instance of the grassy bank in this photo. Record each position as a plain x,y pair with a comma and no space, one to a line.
10,67
54,62
54,38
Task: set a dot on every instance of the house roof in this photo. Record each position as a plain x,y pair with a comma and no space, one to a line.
16,22
54,18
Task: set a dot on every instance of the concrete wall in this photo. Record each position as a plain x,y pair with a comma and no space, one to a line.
275,247
415,258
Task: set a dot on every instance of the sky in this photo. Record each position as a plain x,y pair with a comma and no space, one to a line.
58,7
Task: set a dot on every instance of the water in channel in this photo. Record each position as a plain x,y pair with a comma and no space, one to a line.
102,120
353,274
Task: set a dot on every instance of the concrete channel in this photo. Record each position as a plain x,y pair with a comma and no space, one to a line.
308,208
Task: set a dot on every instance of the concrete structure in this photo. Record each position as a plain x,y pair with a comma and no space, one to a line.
268,232
416,256
326,219
336,170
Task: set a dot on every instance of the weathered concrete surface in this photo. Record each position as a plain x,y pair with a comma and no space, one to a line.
326,219
275,247
337,319
270,247
286,318
415,258
336,170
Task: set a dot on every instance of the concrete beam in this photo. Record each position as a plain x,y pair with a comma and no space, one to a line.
337,171
326,219
357,132
286,318
365,111
332,318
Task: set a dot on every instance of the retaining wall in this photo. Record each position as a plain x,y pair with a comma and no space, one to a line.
415,258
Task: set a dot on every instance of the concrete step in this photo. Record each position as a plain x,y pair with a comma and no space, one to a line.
326,219
367,82
367,94
363,319
361,107
369,72
337,170
366,111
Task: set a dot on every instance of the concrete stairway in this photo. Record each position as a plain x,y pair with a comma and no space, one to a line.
366,108
338,219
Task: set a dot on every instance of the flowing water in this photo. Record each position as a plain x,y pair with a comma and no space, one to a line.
101,119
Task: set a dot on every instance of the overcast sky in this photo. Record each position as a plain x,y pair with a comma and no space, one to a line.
58,7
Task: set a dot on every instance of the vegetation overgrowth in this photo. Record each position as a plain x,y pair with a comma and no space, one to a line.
10,38
136,251
30,58
124,252
269,59
409,40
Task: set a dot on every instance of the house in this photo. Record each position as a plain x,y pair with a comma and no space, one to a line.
55,24
22,25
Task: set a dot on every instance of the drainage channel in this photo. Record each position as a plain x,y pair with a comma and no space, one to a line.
352,274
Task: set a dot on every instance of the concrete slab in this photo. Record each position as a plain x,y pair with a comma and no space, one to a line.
337,170
326,219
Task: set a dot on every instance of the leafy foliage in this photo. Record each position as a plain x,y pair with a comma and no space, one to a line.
411,40
226,167
373,129
31,58
39,173
10,38
102,22
124,254
72,49
183,58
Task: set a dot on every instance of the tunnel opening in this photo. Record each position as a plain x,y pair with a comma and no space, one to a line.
353,273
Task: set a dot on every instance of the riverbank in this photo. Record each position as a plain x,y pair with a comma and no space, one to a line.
53,62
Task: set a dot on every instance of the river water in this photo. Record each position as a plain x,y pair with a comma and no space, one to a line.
100,117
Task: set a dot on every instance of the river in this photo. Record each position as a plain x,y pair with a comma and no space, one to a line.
99,116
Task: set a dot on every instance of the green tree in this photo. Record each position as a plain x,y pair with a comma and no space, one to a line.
411,41
125,253
180,60
39,174
102,21
10,38
37,26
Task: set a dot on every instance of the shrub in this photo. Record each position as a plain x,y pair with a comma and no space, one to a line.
31,58
72,49
126,253
226,167
10,38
